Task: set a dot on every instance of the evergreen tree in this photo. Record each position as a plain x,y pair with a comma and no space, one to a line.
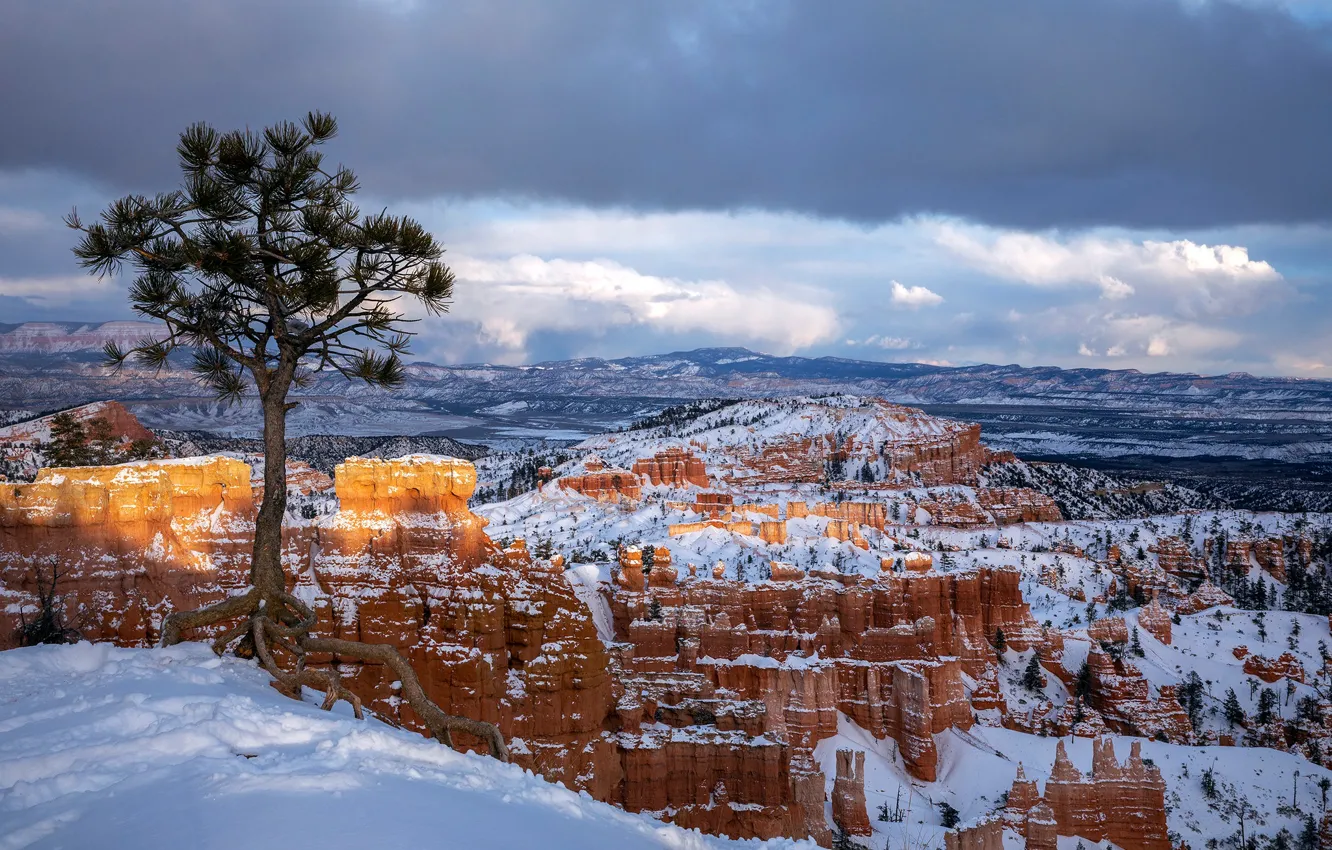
1083,687
1208,780
1136,646
69,441
1308,839
262,268
1191,698
1032,676
1232,709
654,610
948,816
1000,643
1267,703
103,447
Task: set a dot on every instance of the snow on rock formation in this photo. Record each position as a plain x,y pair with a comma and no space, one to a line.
703,614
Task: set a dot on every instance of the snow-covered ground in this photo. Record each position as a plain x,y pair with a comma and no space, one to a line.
103,747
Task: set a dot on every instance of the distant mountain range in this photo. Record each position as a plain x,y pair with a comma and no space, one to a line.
1163,422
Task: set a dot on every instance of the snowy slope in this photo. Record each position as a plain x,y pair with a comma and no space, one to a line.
873,423
102,747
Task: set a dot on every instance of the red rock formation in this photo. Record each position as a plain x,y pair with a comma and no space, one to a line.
892,650
1174,556
770,511
1108,630
848,796
1285,666
665,724
785,572
872,514
987,696
955,513
840,529
809,794
1010,505
1206,596
124,426
1073,799
674,467
1041,827
602,484
1133,798
954,459
986,835
631,575
1022,797
492,635
918,562
714,505
511,643
1155,620
1271,556
1123,698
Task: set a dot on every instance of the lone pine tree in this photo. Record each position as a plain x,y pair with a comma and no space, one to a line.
263,271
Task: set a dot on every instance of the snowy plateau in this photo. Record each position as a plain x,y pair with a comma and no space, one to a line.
105,747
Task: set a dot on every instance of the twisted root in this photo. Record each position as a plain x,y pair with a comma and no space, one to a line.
287,625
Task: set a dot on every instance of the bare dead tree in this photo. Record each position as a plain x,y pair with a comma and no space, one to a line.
49,625
264,271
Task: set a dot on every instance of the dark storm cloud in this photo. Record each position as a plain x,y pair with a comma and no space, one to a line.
1025,113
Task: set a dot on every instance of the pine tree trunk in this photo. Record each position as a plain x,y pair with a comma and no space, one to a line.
266,565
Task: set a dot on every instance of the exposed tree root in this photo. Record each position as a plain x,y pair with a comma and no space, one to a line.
284,623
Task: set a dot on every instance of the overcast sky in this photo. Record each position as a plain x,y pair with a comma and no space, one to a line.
1107,183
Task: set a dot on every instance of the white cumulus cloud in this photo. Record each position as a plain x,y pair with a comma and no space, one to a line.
914,297
511,299
1197,279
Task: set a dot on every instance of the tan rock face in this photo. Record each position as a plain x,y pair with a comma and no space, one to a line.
714,505
1108,629
1271,556
1041,827
872,514
954,459
773,532
131,541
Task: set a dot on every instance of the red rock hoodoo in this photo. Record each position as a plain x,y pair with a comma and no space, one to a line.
674,467
1122,803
